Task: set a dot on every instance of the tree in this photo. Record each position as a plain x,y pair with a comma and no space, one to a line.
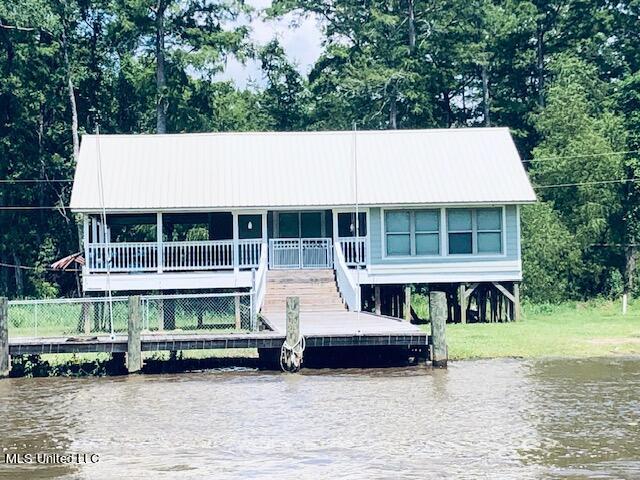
580,135
285,96
183,38
551,256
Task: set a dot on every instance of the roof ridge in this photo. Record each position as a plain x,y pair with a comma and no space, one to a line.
301,132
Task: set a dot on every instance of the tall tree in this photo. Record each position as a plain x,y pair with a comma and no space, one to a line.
183,38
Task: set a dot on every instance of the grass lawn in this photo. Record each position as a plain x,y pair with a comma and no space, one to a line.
584,329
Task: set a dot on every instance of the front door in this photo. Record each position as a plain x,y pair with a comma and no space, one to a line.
300,241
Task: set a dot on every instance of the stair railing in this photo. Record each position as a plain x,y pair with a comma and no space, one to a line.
347,286
260,283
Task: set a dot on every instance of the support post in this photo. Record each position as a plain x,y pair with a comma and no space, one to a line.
462,301
236,245
407,303
237,309
159,241
5,360
516,302
134,346
378,302
438,310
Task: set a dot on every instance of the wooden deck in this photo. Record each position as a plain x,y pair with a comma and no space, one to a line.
343,323
321,329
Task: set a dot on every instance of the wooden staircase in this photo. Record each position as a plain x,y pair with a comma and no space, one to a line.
316,289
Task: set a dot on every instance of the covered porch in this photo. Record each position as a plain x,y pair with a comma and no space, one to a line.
166,250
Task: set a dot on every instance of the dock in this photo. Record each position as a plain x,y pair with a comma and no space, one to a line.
331,329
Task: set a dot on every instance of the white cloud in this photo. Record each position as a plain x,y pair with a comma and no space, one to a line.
301,42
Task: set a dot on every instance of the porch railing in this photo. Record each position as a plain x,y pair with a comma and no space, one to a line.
123,257
354,250
198,255
300,253
176,256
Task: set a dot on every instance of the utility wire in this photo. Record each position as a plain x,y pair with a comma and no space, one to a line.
586,155
35,180
25,267
580,184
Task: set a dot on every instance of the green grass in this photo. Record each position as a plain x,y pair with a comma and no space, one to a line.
584,329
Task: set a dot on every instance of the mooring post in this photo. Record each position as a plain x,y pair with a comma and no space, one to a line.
5,360
134,345
292,350
438,310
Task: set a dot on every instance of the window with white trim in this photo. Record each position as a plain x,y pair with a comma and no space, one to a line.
474,230
412,232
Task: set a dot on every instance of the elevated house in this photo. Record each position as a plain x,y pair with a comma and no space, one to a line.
342,219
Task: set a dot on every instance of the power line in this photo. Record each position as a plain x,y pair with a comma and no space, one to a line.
49,269
35,180
580,184
587,155
29,207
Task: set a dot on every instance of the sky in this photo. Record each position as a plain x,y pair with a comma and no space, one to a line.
302,44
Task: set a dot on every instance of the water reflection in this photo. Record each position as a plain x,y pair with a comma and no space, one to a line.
485,419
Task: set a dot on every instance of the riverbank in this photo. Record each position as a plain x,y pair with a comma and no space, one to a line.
577,329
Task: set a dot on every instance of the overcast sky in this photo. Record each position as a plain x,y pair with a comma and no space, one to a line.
301,43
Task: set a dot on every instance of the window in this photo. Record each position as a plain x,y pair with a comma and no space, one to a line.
489,230
460,226
249,226
347,224
474,230
427,232
398,231
412,232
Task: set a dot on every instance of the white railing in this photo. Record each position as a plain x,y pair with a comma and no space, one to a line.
300,253
348,288
284,253
249,252
260,281
195,255
354,250
123,257
204,255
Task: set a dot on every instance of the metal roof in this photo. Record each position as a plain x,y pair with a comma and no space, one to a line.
299,169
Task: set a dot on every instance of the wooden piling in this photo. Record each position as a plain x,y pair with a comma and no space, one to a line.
378,300
438,310
238,316
134,345
516,302
293,320
291,359
462,301
5,360
407,303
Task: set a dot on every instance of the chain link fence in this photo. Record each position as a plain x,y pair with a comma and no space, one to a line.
77,317
67,317
217,313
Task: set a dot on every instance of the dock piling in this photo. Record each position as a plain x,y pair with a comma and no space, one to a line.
438,310
5,360
293,347
134,345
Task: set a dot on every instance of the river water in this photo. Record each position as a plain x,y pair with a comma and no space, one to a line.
479,419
